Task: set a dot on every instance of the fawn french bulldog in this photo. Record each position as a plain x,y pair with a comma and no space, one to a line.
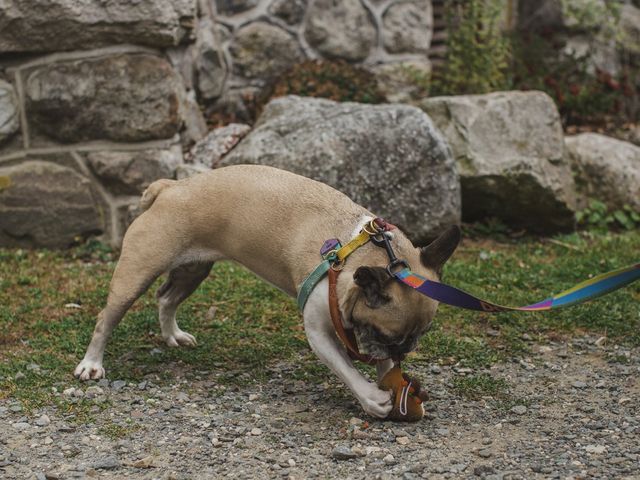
273,222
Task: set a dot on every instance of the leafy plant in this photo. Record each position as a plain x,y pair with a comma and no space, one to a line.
598,217
595,15
583,96
478,53
335,80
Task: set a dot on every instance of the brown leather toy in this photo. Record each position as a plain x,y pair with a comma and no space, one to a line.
408,396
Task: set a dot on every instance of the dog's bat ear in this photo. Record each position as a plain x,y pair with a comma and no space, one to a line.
372,282
435,254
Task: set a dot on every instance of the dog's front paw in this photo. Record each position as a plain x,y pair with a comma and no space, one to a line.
178,337
88,369
376,402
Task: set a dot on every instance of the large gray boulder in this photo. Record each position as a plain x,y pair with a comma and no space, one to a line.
606,169
510,153
120,97
53,25
46,205
9,111
389,158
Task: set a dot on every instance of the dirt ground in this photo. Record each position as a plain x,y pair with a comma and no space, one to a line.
569,410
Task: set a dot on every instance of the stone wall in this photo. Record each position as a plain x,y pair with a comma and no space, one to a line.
98,98
84,132
246,43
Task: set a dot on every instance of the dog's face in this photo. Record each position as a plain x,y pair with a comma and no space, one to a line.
388,317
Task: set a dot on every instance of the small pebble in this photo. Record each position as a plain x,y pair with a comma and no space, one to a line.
20,426
43,421
343,452
106,463
595,449
211,313
484,453
118,384
519,409
93,391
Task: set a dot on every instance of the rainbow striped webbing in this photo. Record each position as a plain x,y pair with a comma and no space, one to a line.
587,290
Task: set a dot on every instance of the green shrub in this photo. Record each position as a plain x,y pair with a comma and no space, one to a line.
583,97
335,80
478,53
598,217
584,94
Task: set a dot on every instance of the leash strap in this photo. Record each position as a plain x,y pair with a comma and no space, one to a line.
587,290
347,336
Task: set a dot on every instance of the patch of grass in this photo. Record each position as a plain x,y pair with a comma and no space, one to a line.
116,431
79,411
440,345
478,386
507,403
520,272
256,326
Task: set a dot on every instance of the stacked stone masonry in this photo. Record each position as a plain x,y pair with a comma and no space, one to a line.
251,42
82,134
98,98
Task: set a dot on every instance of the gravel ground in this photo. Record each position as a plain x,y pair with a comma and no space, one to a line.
571,411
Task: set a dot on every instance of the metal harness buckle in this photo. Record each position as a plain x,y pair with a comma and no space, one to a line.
381,239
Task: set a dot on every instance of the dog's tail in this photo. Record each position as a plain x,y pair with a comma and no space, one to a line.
152,191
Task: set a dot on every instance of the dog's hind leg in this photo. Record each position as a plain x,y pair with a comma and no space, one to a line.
144,257
182,282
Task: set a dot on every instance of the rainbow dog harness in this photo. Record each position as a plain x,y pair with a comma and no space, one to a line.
334,254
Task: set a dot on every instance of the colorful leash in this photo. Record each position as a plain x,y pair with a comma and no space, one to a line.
587,290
